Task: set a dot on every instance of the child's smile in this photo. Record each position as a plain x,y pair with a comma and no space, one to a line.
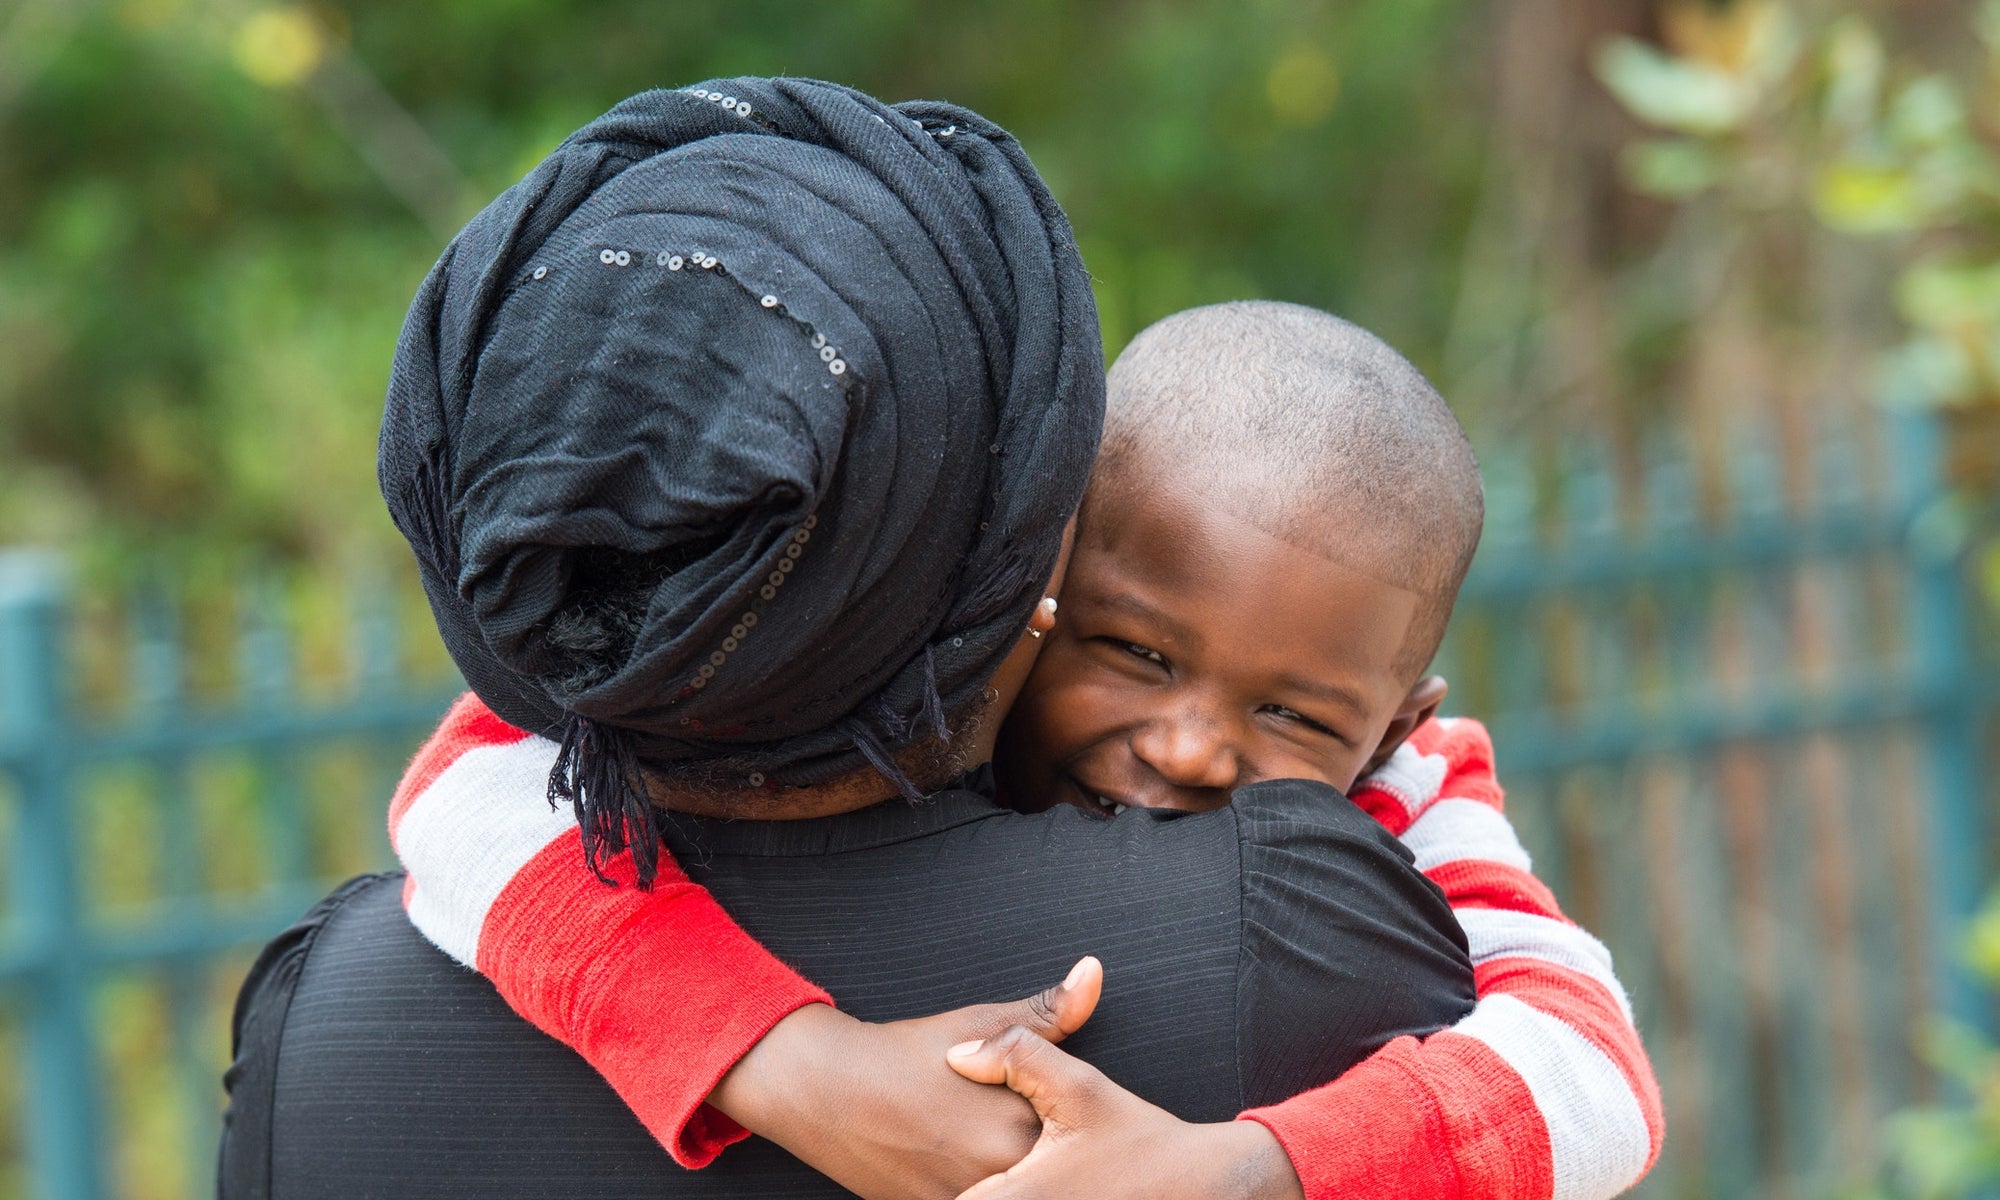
1195,653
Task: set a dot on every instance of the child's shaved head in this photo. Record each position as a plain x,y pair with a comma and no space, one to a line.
1312,428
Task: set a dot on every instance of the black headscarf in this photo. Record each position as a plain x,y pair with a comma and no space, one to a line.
812,381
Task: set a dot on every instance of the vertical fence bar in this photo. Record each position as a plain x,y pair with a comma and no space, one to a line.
62,1114
376,649
161,693
1944,662
270,686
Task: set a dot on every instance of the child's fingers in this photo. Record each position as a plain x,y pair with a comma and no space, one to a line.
1069,1004
1052,1013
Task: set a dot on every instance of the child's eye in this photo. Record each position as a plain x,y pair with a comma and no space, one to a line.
1146,652
1292,714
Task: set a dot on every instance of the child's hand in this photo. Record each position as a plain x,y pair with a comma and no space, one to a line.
875,1107
1099,1140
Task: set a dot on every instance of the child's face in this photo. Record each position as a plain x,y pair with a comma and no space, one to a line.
1195,653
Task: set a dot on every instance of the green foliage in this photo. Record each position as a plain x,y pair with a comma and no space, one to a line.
212,215
1952,1151
1674,93
1809,114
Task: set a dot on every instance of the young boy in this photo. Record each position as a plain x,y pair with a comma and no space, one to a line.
1264,565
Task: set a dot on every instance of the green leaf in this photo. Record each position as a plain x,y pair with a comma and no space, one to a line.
1942,1152
1926,372
1988,24
1928,112
1674,168
1673,93
1868,198
1982,943
1950,295
1958,1051
1854,61
1988,574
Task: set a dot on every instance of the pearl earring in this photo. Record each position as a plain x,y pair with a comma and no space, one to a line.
1047,608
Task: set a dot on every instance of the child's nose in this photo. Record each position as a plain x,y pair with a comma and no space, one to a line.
1189,750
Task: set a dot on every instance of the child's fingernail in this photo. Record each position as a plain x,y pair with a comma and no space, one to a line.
1075,974
965,1049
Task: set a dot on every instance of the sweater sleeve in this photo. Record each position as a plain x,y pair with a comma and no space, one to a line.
1543,1090
659,991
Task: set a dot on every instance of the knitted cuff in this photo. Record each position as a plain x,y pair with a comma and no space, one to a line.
661,992
687,998
1374,1132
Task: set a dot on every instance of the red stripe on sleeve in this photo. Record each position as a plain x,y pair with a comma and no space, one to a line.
1442,1119
1483,883
1385,808
1584,1005
1467,750
661,992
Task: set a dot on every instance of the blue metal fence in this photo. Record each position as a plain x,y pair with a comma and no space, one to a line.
1747,748
60,942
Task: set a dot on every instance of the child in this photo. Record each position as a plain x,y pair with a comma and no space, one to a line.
1264,565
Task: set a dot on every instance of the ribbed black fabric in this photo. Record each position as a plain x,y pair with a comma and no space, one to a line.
1251,953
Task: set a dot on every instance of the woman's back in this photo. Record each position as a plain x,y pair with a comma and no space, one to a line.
1251,952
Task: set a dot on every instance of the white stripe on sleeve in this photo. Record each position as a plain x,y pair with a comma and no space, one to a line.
446,934
467,834
1453,830
1494,933
1597,1133
1412,778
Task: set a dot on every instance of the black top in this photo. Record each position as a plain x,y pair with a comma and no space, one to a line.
1250,953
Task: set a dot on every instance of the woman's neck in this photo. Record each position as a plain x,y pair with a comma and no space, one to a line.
861,788
970,747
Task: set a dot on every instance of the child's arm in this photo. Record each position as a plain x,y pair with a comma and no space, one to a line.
1544,1090
497,880
666,997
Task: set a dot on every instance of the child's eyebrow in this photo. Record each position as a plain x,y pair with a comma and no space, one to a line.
1133,606
1319,689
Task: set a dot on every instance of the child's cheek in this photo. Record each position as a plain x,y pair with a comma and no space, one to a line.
1070,700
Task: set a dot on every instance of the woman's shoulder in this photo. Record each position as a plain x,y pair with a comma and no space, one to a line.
368,1062
1346,945
258,1026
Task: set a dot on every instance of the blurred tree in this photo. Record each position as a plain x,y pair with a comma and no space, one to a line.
212,215
1777,118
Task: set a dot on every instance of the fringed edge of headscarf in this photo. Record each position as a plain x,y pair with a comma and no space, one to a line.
989,596
597,772
878,756
931,712
929,718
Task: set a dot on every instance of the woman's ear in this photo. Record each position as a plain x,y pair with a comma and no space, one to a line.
1420,705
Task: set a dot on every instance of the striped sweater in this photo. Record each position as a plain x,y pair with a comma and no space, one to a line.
1542,1091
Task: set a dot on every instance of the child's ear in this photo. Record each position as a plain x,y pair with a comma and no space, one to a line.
1419,706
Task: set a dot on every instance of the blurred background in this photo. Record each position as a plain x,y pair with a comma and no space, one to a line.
1715,287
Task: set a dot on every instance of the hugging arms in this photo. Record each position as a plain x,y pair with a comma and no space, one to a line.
736,445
